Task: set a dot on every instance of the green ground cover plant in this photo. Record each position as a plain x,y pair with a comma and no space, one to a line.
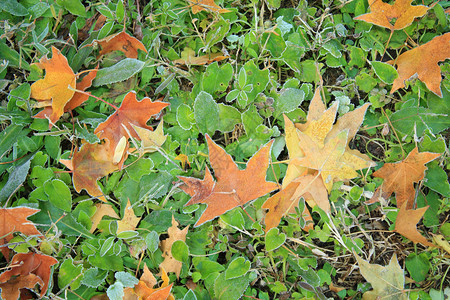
199,149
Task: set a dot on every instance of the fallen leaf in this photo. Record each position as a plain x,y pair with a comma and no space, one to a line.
77,99
150,140
23,264
423,61
406,221
394,17
440,240
10,289
170,264
184,159
332,161
131,112
55,85
201,5
188,58
284,202
90,163
145,288
99,20
101,211
121,41
387,282
129,220
14,219
399,177
234,187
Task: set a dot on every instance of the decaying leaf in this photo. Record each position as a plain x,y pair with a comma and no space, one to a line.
400,177
150,140
201,5
188,58
101,211
387,282
396,16
131,112
23,264
77,99
284,202
14,219
90,163
57,85
121,41
423,61
234,187
170,264
406,221
129,220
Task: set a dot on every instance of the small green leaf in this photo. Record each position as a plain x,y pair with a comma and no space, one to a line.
16,177
229,116
225,289
180,251
93,277
73,6
121,71
13,7
120,12
238,267
68,272
418,266
126,279
288,100
58,194
115,291
274,239
106,246
185,116
52,145
216,79
152,241
190,295
206,113
384,71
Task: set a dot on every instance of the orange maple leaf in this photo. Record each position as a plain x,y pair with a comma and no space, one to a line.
12,220
234,187
23,264
399,177
11,289
131,111
170,263
89,164
145,287
121,41
284,202
77,99
201,5
55,86
423,61
397,16
406,221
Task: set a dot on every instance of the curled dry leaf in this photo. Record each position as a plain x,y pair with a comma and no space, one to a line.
11,289
170,263
121,41
131,112
90,163
234,187
400,177
23,264
129,220
406,221
423,61
387,282
12,220
396,16
201,5
57,85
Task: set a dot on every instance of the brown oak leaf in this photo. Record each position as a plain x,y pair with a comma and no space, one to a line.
234,187
14,219
90,163
400,177
406,221
170,264
396,16
55,85
423,61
